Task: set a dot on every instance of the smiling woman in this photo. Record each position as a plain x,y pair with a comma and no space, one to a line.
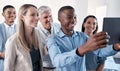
25,54
90,27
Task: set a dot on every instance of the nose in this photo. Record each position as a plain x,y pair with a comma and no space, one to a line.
50,19
92,25
74,20
12,14
37,18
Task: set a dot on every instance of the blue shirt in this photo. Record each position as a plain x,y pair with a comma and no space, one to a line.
62,50
3,39
93,61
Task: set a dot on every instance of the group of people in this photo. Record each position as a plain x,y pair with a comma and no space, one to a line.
35,43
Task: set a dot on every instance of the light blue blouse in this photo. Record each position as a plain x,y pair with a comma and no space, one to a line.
62,51
93,61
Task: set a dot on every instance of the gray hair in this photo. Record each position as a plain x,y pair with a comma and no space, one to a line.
43,9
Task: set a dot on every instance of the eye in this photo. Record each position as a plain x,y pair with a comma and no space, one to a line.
9,12
14,12
32,14
88,22
50,16
94,23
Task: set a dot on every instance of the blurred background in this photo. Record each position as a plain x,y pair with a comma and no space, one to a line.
99,8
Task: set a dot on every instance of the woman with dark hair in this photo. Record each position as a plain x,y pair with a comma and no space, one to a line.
90,27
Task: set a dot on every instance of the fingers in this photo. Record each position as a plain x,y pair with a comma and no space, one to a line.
99,34
117,46
102,43
102,34
102,37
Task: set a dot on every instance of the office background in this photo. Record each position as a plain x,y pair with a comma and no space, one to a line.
99,8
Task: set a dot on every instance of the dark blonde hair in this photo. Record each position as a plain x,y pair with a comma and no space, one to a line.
21,28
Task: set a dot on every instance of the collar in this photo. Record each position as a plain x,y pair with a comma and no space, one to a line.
61,34
42,28
6,26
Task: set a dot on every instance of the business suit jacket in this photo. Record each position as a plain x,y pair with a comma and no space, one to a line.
16,57
3,39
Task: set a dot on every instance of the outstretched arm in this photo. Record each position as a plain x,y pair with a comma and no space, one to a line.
59,58
96,41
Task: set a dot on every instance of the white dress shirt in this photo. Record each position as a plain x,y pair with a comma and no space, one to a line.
9,29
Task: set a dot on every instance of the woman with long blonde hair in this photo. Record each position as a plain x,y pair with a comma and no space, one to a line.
23,49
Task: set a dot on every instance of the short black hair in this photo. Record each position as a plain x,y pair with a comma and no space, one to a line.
7,6
64,8
85,19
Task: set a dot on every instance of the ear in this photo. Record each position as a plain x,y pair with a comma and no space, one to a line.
22,17
3,14
84,25
59,18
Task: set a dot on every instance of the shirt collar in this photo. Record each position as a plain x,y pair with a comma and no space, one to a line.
6,26
61,34
86,35
43,29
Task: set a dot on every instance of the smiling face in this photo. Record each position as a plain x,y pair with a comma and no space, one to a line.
68,20
46,19
90,25
9,15
31,17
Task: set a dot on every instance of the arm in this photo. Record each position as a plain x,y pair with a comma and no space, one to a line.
116,47
101,61
100,67
95,42
58,58
10,56
98,42
2,43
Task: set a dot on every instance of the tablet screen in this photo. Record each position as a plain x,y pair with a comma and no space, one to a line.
111,25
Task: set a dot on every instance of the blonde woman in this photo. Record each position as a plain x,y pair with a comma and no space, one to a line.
23,48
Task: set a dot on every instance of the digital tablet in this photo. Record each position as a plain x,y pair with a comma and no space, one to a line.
111,25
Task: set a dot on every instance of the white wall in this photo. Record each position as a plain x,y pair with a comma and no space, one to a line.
113,9
103,8
99,8
79,5
16,4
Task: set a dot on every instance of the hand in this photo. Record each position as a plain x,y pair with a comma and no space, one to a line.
96,41
116,46
2,54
